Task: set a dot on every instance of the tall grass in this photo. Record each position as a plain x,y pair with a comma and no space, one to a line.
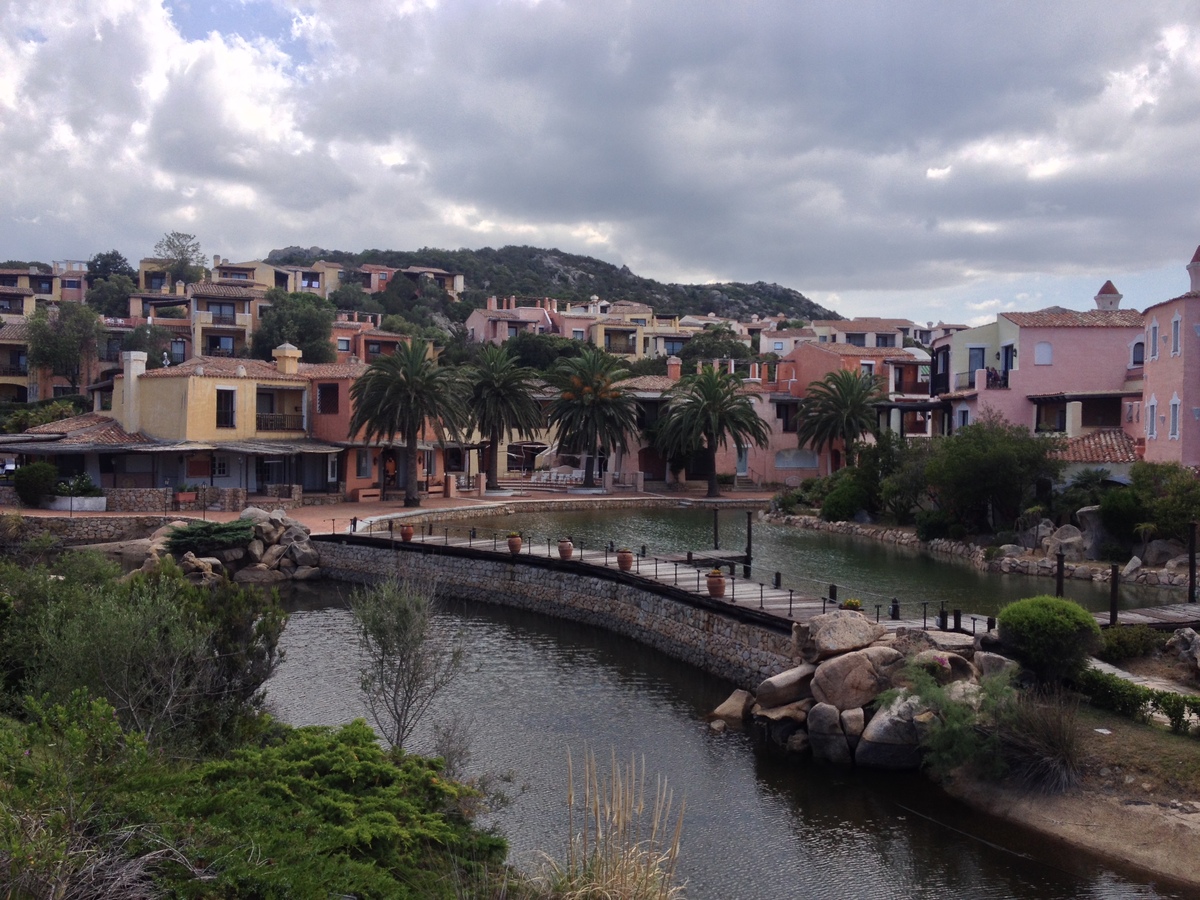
621,844
1039,741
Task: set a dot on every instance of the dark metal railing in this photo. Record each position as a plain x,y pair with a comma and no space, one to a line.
279,422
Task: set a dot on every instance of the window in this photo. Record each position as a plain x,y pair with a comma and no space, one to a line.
71,283
178,351
856,340
577,334
1174,433
327,399
885,340
383,276
362,461
1152,418
1043,354
964,418
343,345
801,458
822,339
1175,335
372,348
332,473
1139,353
226,404
868,368
1154,340
63,390
221,467
778,346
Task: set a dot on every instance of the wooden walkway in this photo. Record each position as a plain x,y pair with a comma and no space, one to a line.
789,605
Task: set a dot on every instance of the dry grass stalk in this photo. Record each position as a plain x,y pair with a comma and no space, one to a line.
618,853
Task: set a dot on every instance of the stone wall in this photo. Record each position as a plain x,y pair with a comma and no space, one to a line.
8,496
733,643
88,529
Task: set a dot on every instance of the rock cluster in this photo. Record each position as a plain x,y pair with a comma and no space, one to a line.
279,551
824,705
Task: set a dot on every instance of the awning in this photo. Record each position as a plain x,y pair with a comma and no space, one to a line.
277,448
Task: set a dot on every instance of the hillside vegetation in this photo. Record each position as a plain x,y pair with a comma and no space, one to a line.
535,272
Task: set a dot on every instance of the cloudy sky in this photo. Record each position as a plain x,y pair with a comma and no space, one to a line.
933,160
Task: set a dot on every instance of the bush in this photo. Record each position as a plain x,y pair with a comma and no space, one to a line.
1114,693
1052,637
204,538
1121,642
843,502
1039,741
1121,510
956,531
1114,552
34,481
80,485
932,524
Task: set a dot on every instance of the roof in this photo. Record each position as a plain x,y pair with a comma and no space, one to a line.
224,367
15,331
216,289
965,394
854,326
1109,288
1108,445
333,370
1057,317
1196,255
852,350
19,291
79,434
1067,396
644,383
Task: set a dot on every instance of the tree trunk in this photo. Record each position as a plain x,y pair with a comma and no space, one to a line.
412,496
714,487
493,470
589,470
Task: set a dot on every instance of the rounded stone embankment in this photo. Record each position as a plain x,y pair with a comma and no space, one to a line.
737,644
1029,563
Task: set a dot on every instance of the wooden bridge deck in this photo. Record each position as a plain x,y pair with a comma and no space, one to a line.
676,571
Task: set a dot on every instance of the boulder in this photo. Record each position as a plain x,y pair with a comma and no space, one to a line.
826,737
205,579
735,708
946,666
992,663
304,553
255,514
190,563
853,723
795,712
952,642
259,574
1185,643
255,550
891,739
287,564
965,692
1033,537
798,743
1094,535
909,641
1069,541
272,556
292,534
789,685
1131,567
857,678
1158,552
1082,573
230,554
212,564
1177,564
834,633
268,533
1008,551
306,573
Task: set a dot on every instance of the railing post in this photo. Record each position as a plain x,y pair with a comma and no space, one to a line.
1114,590
832,596
778,580
1058,577
716,530
789,603
1191,562
895,610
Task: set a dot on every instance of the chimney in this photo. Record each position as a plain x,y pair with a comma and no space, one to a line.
674,367
287,359
179,288
1109,297
1194,272
133,366
491,302
216,260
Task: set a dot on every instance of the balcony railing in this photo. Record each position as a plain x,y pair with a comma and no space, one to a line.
964,380
13,371
279,422
997,380
222,319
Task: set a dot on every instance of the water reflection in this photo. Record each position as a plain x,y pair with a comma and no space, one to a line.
757,827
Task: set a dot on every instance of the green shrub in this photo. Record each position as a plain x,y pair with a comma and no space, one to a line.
1122,642
932,524
1051,637
1114,693
80,485
1174,707
1121,509
843,502
203,538
1007,537
956,531
1114,552
1039,741
34,481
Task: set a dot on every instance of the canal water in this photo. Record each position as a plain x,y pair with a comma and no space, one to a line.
756,827
809,561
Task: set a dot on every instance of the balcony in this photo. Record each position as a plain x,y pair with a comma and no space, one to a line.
14,371
225,320
964,380
222,319
279,422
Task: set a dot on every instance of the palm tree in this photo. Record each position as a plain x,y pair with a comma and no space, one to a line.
398,394
839,407
500,400
593,411
703,411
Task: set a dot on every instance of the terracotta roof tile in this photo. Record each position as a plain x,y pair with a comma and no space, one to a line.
1196,255
854,326
1057,317
224,367
221,289
1108,445
14,331
1109,288
333,370
852,350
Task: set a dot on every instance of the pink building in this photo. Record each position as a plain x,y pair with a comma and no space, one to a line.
1170,420
503,319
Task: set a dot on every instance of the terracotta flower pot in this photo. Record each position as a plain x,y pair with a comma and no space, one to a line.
406,533
565,549
716,585
514,545
624,560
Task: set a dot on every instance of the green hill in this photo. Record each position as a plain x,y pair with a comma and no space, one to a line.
534,272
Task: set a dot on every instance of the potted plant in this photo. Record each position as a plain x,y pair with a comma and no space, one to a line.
715,581
851,603
566,548
624,559
514,542
78,494
406,532
185,493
